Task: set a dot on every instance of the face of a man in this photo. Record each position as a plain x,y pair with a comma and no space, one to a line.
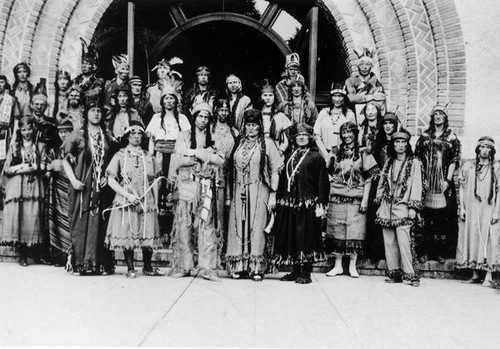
22,74
39,107
74,99
2,85
203,78
364,68
201,120
162,71
233,85
63,134
122,99
122,72
169,102
400,146
136,88
293,71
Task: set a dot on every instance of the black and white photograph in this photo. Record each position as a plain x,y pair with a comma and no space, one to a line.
249,173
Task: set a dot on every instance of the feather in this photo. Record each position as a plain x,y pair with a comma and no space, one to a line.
175,60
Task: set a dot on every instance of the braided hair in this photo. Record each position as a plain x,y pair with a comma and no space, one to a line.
60,73
223,103
25,121
16,79
208,134
164,110
491,159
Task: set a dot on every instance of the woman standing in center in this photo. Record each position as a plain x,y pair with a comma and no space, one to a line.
352,172
256,167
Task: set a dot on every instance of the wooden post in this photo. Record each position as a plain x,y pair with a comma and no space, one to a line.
313,51
130,35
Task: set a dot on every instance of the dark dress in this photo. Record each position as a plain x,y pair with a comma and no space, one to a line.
86,224
297,230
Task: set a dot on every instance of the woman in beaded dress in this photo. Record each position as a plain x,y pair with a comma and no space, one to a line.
86,159
352,171
302,199
256,165
133,222
22,224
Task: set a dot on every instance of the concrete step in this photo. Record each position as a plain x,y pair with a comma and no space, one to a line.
163,258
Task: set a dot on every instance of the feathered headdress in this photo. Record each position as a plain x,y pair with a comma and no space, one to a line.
120,61
365,54
442,108
168,64
89,53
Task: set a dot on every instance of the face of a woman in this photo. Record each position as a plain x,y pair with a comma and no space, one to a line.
337,100
268,98
169,102
135,137
347,136
371,112
484,151
95,115
122,99
22,74
302,139
201,120
26,131
252,129
389,127
297,90
63,82
439,118
222,114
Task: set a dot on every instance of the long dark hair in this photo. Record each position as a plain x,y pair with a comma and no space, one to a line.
85,125
164,111
130,100
344,107
208,134
16,79
18,143
348,125
381,138
218,104
431,130
58,89
491,159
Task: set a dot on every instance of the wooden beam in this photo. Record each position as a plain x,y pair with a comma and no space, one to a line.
177,15
130,35
313,50
270,15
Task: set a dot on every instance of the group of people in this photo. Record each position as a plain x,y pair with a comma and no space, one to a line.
223,180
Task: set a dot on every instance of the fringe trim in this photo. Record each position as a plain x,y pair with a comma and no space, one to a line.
348,247
494,268
392,223
17,243
416,205
298,203
300,258
253,264
337,199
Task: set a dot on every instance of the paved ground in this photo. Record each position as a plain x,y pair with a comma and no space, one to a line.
42,305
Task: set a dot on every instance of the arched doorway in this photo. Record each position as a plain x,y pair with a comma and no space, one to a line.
228,36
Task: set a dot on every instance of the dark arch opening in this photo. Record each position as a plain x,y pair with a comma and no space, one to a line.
225,47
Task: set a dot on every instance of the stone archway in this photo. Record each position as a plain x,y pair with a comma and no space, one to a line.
421,51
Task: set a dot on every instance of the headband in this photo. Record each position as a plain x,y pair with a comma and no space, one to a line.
134,128
401,135
486,142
